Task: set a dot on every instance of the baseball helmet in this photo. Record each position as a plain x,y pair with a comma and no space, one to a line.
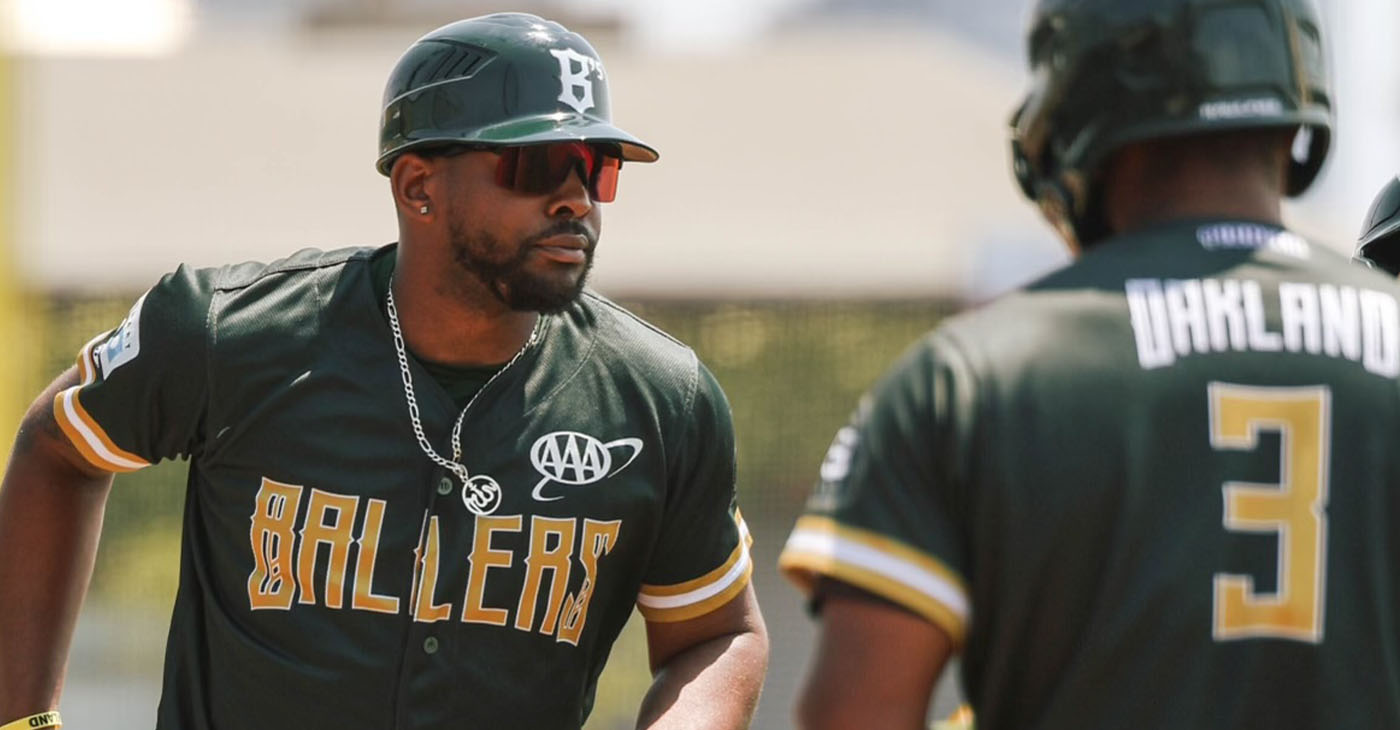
502,79
1379,246
1106,73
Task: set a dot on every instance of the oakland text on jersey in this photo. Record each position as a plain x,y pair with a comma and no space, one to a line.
1173,318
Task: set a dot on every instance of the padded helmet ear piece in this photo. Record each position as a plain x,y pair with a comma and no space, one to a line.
1056,205
1021,169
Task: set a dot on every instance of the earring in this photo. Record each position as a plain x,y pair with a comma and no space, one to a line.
423,210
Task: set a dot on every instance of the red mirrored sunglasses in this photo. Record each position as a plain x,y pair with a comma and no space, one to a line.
538,169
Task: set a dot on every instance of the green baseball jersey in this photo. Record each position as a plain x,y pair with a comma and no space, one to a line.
333,576
1159,488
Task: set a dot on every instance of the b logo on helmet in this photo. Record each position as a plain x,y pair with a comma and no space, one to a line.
575,70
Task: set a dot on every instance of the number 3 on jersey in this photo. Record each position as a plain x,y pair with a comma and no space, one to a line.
1294,508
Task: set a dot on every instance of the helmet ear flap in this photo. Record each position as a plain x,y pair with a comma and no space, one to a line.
1077,215
1021,168
1056,204
1079,222
1310,148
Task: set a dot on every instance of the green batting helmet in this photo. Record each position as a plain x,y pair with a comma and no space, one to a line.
503,79
1106,73
1379,246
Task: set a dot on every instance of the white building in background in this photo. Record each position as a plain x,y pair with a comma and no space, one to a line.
103,28
1366,74
809,147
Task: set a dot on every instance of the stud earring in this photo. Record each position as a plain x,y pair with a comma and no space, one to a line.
423,210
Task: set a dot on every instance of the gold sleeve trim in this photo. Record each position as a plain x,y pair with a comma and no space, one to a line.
699,596
891,569
694,610
89,438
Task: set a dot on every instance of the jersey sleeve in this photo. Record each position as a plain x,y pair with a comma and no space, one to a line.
701,560
144,383
883,516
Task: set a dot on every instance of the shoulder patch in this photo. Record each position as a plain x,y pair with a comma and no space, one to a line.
124,344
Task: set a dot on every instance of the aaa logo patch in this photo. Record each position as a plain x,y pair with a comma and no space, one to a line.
577,459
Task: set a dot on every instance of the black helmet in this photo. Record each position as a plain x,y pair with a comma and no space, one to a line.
1106,73
503,79
1379,246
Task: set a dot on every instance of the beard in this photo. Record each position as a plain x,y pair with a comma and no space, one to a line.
506,274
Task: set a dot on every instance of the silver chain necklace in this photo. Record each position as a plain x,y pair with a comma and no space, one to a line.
479,501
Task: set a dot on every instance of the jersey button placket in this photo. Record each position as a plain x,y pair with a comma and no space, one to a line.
444,485
430,645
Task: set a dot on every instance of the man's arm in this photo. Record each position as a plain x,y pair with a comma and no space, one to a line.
707,671
876,666
51,505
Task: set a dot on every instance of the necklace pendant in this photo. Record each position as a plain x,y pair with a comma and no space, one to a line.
481,494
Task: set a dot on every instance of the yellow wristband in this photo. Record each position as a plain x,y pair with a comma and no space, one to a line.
40,721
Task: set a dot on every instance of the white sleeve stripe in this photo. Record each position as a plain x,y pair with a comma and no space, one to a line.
85,366
92,440
735,572
827,546
744,538
739,570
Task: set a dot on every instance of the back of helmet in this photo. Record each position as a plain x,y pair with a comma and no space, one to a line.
1107,73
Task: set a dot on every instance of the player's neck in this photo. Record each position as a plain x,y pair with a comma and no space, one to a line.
444,325
1143,189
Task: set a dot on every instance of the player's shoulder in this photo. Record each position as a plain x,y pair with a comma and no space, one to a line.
1084,303
628,346
625,333
303,264
234,301
202,282
1209,247
1210,250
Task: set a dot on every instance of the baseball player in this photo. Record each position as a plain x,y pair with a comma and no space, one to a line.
1379,246
1155,489
428,482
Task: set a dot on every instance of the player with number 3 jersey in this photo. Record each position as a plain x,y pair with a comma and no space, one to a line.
1156,488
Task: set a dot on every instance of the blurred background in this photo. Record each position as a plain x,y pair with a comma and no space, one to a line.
834,180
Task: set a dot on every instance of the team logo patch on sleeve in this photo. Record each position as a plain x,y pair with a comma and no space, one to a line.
124,344
838,458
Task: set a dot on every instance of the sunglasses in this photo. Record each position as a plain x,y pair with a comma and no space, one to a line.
541,168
